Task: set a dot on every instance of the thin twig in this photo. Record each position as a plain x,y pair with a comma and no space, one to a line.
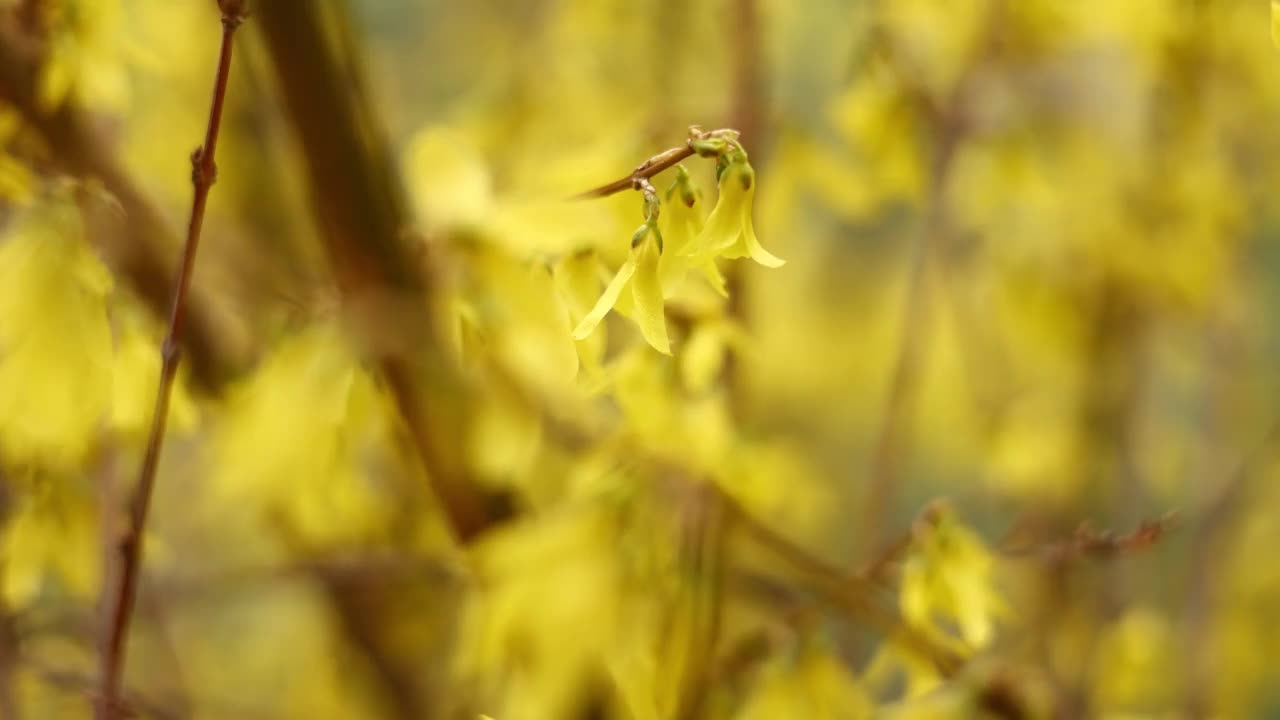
645,170
121,595
657,164
1087,542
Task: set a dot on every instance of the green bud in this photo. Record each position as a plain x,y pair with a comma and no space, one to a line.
709,147
688,194
639,235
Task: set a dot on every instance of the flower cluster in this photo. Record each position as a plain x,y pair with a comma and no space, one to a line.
656,267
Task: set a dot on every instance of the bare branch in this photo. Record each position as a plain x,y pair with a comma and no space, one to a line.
120,595
1087,542
658,163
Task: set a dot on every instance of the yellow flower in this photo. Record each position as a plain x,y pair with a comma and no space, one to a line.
55,338
948,579
681,222
640,272
49,539
87,56
729,231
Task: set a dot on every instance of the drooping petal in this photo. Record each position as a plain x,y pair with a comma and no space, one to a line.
682,218
607,300
646,291
714,277
576,279
680,224
748,245
672,268
725,222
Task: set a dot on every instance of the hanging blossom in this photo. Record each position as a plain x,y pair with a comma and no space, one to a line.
728,233
640,273
681,224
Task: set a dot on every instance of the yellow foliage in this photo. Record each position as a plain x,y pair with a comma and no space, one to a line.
562,566
1030,265
1133,666
302,438
87,54
814,685
50,540
55,339
948,579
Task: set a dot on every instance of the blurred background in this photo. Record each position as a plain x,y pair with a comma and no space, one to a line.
996,441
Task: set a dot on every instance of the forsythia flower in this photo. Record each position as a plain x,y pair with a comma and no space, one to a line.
729,231
55,338
681,223
640,271
49,539
949,576
87,59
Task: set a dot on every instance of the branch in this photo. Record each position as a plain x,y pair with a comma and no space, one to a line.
361,217
1102,544
9,665
121,595
708,532
658,163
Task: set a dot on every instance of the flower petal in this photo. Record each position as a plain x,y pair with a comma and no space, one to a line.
714,277
754,249
607,300
725,222
647,293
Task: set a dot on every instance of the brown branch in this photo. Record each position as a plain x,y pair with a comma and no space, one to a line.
643,171
9,665
121,595
657,163
362,219
1087,542
709,531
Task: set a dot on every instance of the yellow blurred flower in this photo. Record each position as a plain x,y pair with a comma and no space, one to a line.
87,56
55,339
301,438
813,686
50,537
948,577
